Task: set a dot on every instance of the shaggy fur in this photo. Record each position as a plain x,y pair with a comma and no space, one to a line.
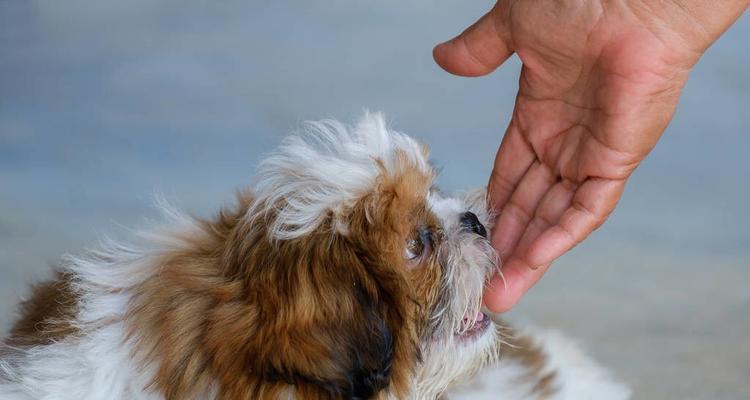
342,275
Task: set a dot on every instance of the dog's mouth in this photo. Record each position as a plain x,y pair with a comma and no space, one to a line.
472,327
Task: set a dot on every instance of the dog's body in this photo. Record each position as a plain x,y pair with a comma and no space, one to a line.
342,275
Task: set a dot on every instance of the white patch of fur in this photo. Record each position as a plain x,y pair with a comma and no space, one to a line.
326,168
96,364
451,360
448,210
94,367
506,379
577,377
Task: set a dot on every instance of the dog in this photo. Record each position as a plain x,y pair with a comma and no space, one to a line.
344,274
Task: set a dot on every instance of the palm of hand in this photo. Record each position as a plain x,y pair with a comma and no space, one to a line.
594,97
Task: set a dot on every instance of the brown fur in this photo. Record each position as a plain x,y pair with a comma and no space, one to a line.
314,317
46,316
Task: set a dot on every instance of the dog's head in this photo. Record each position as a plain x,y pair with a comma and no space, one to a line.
363,280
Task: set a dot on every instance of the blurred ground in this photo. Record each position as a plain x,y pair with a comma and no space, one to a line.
104,103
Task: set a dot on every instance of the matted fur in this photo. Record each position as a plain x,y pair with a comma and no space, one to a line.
303,289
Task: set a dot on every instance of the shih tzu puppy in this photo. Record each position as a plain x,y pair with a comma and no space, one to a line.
344,274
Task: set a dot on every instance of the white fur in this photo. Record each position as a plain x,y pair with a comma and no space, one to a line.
577,377
97,364
449,362
326,168
95,367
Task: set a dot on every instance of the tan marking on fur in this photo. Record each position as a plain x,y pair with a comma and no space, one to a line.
528,354
46,316
255,315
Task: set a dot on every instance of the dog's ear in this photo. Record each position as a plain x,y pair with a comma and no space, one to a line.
371,370
324,324
341,357
363,352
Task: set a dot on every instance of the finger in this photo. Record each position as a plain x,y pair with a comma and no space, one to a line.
548,213
591,205
518,211
513,159
479,50
502,293
518,275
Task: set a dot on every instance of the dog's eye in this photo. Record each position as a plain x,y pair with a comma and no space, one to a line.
418,246
414,249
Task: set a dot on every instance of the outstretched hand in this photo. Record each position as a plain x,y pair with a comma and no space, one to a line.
598,86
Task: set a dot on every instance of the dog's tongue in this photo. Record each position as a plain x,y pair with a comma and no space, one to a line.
477,318
480,317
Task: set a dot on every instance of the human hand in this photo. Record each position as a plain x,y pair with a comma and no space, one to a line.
599,84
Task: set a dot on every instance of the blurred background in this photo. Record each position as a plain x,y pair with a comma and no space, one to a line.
104,103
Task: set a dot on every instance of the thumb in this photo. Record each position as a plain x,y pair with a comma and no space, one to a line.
480,49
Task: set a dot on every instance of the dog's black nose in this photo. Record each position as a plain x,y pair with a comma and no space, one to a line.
470,221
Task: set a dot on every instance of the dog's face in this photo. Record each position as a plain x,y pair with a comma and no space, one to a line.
365,281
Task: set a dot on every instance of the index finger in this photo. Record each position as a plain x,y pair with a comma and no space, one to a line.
503,292
592,203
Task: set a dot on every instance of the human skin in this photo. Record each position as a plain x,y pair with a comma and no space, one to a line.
599,84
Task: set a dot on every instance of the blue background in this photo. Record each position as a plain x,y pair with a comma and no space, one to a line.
104,103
